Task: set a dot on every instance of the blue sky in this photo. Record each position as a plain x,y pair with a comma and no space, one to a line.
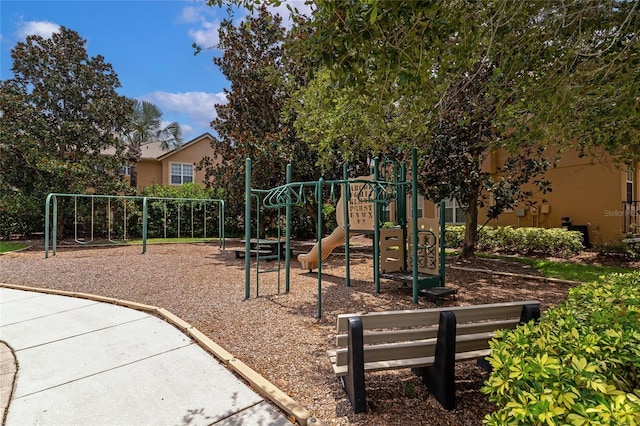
148,43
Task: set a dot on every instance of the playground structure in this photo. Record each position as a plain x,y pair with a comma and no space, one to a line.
116,218
359,211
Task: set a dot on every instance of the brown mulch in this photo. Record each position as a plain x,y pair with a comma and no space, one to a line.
277,333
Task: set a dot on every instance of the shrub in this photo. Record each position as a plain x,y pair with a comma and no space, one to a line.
20,214
454,235
579,365
525,241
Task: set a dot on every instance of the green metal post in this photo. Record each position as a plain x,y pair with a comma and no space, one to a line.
46,226
319,199
144,225
401,211
247,229
257,243
414,221
55,225
287,255
376,228
443,254
222,241
346,196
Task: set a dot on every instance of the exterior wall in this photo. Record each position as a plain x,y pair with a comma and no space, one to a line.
157,170
149,172
589,191
191,153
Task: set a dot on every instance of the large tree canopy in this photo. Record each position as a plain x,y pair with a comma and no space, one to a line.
459,80
60,111
572,66
253,124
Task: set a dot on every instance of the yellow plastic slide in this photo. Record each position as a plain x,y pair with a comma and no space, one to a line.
329,243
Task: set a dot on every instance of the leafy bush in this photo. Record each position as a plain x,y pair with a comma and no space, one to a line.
579,365
553,241
173,218
20,214
187,190
453,236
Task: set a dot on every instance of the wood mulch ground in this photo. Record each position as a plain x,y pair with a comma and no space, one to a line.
277,333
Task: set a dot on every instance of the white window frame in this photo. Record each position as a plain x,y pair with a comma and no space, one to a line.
457,214
420,206
181,175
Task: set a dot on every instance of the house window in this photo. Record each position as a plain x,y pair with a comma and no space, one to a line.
452,211
385,213
125,171
181,173
629,186
420,203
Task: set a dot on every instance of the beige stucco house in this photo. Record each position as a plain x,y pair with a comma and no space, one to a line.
173,167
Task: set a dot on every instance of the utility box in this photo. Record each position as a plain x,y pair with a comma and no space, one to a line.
584,229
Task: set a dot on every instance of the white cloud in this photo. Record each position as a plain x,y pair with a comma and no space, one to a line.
207,35
204,23
40,28
197,107
205,20
191,14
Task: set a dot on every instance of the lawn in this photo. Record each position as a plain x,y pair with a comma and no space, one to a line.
7,246
572,271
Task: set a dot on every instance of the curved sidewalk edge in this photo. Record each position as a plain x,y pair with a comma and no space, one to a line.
294,411
8,368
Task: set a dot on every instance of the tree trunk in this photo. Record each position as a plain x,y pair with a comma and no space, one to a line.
133,177
470,230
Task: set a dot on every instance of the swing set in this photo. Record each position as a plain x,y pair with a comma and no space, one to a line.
115,218
412,252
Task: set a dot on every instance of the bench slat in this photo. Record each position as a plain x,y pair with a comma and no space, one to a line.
426,317
342,370
390,336
416,349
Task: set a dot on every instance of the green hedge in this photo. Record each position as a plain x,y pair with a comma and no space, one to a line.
524,241
579,365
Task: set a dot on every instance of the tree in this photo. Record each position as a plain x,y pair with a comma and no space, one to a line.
252,124
60,111
146,125
453,166
470,78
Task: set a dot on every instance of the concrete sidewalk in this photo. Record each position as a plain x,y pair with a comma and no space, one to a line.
82,362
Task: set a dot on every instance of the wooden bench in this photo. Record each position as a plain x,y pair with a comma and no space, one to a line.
429,341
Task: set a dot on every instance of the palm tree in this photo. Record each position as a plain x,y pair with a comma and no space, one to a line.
146,123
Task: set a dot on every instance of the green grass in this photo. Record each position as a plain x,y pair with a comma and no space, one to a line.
566,270
6,246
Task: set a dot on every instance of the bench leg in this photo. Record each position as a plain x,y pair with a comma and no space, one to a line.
440,377
354,380
529,313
